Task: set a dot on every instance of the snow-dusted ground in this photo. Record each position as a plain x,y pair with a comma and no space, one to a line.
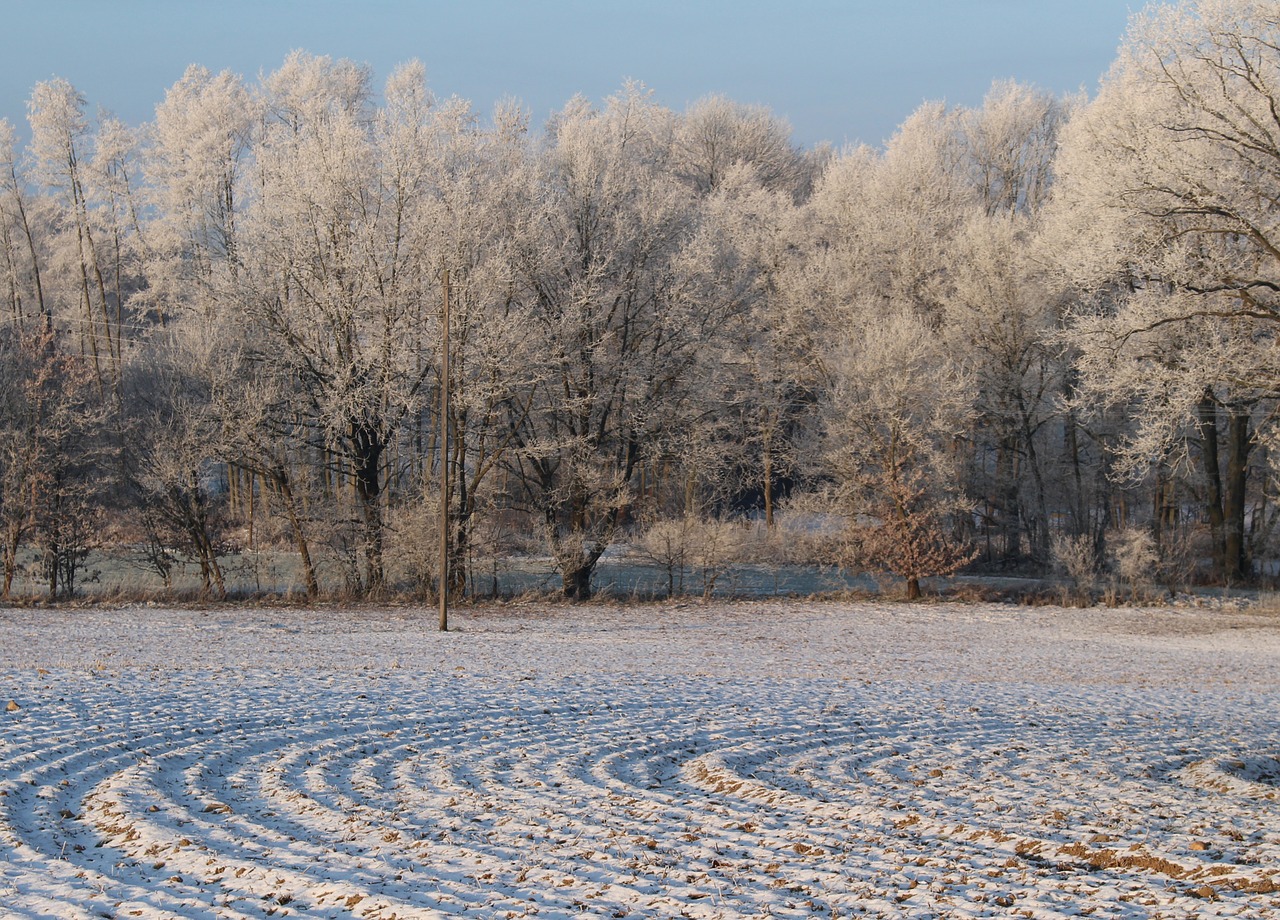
732,760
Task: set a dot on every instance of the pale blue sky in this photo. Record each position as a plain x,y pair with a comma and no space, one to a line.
838,70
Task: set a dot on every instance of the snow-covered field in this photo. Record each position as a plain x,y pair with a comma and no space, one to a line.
731,760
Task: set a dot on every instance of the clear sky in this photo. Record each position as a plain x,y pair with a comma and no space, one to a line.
838,70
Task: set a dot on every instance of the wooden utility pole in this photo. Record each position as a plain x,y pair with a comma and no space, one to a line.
444,460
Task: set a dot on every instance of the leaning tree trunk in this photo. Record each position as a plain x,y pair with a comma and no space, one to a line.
281,481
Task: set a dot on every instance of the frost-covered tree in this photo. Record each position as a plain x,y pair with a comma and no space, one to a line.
62,153
897,408
599,224
882,220
758,384
335,298
717,134
195,165
941,224
1163,207
20,255
999,312
470,175
1009,143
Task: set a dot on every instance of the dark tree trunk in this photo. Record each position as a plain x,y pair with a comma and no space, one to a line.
367,446
1208,425
577,581
189,503
1077,476
1037,529
768,487
1235,546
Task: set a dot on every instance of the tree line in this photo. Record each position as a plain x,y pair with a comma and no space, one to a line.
1035,330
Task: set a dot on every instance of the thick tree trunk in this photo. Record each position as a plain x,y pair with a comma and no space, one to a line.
913,589
1235,546
577,564
367,446
577,581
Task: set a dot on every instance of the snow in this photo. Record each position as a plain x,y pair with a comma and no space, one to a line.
786,759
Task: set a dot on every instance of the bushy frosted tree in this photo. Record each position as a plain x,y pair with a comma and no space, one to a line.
335,299
897,408
86,175
600,223
1164,220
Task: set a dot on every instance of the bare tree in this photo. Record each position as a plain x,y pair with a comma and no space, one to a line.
75,464
173,444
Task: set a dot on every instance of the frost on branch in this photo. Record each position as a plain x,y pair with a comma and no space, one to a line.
898,408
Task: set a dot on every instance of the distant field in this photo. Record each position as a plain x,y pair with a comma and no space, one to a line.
786,759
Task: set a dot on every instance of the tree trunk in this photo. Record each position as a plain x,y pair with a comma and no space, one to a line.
367,446
577,581
913,589
1235,546
52,564
1037,529
1208,425
10,565
281,480
1077,476
768,487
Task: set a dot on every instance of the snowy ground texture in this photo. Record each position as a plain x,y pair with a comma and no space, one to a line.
787,759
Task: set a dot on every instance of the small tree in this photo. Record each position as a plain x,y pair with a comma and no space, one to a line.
910,535
1077,558
72,453
1134,557
897,406
665,544
20,462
